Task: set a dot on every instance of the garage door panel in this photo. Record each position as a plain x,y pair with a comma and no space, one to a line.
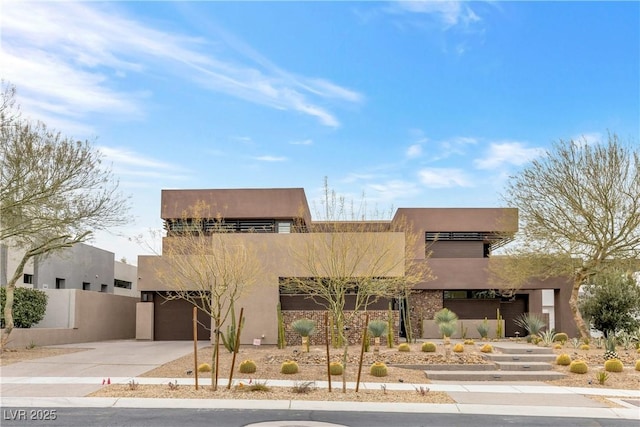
173,320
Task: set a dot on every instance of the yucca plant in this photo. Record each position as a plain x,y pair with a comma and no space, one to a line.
447,330
483,329
304,327
610,346
530,322
376,329
548,337
445,316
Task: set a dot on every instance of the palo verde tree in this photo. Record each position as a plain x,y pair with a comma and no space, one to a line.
207,265
349,259
579,207
54,193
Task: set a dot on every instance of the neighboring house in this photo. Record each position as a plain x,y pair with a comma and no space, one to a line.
456,242
81,267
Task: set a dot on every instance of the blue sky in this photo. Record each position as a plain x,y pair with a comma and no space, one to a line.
414,104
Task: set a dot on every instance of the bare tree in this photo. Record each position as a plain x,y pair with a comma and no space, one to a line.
580,212
205,264
54,193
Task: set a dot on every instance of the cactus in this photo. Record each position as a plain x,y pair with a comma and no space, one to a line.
561,337
335,368
282,342
487,348
584,347
578,367
247,367
469,342
613,365
563,359
404,347
638,365
499,324
229,340
610,345
390,327
428,347
557,346
458,348
289,367
204,367
378,369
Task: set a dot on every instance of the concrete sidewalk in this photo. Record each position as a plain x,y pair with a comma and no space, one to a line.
62,381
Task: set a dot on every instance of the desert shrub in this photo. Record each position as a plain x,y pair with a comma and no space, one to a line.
638,365
29,306
304,327
378,369
259,386
428,347
458,348
487,348
336,368
561,337
204,367
613,365
447,322
578,367
563,359
584,347
289,367
247,367
483,328
304,387
530,322
404,347
602,377
377,328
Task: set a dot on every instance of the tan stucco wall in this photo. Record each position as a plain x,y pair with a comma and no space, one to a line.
98,317
144,321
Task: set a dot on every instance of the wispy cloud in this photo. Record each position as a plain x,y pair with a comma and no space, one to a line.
507,153
450,13
393,190
588,138
74,58
444,178
134,167
302,142
414,150
271,158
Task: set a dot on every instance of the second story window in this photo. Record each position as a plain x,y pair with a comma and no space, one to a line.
284,226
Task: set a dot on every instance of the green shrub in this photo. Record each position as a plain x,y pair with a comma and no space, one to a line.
613,365
578,367
377,328
404,347
335,368
378,369
204,367
289,367
247,367
563,359
304,327
29,306
561,337
428,347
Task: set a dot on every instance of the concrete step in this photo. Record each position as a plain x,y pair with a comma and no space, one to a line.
494,375
523,350
499,357
445,367
524,366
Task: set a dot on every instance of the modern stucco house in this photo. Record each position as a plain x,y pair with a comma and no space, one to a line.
456,242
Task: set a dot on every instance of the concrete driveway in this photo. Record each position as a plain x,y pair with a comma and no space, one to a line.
101,360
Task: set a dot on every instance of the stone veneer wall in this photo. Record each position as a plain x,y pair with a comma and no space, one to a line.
423,305
354,333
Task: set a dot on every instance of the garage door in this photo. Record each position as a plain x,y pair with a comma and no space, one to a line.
173,320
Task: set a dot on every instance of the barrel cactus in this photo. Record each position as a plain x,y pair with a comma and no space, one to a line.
204,367
584,347
247,367
613,365
404,347
561,337
335,368
378,369
458,348
289,367
578,367
563,359
487,348
638,365
428,347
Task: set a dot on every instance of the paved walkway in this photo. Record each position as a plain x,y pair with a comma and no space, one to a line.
62,381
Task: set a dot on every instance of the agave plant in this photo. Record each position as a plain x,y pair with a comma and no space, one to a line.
547,338
448,329
304,327
445,316
377,328
530,322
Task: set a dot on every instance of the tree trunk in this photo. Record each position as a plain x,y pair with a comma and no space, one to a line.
573,304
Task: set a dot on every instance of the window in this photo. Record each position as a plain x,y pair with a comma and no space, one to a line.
28,278
59,283
103,288
86,286
121,284
284,227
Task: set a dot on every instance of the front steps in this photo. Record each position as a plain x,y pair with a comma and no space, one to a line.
512,363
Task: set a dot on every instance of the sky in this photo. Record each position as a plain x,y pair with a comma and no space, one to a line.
404,104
